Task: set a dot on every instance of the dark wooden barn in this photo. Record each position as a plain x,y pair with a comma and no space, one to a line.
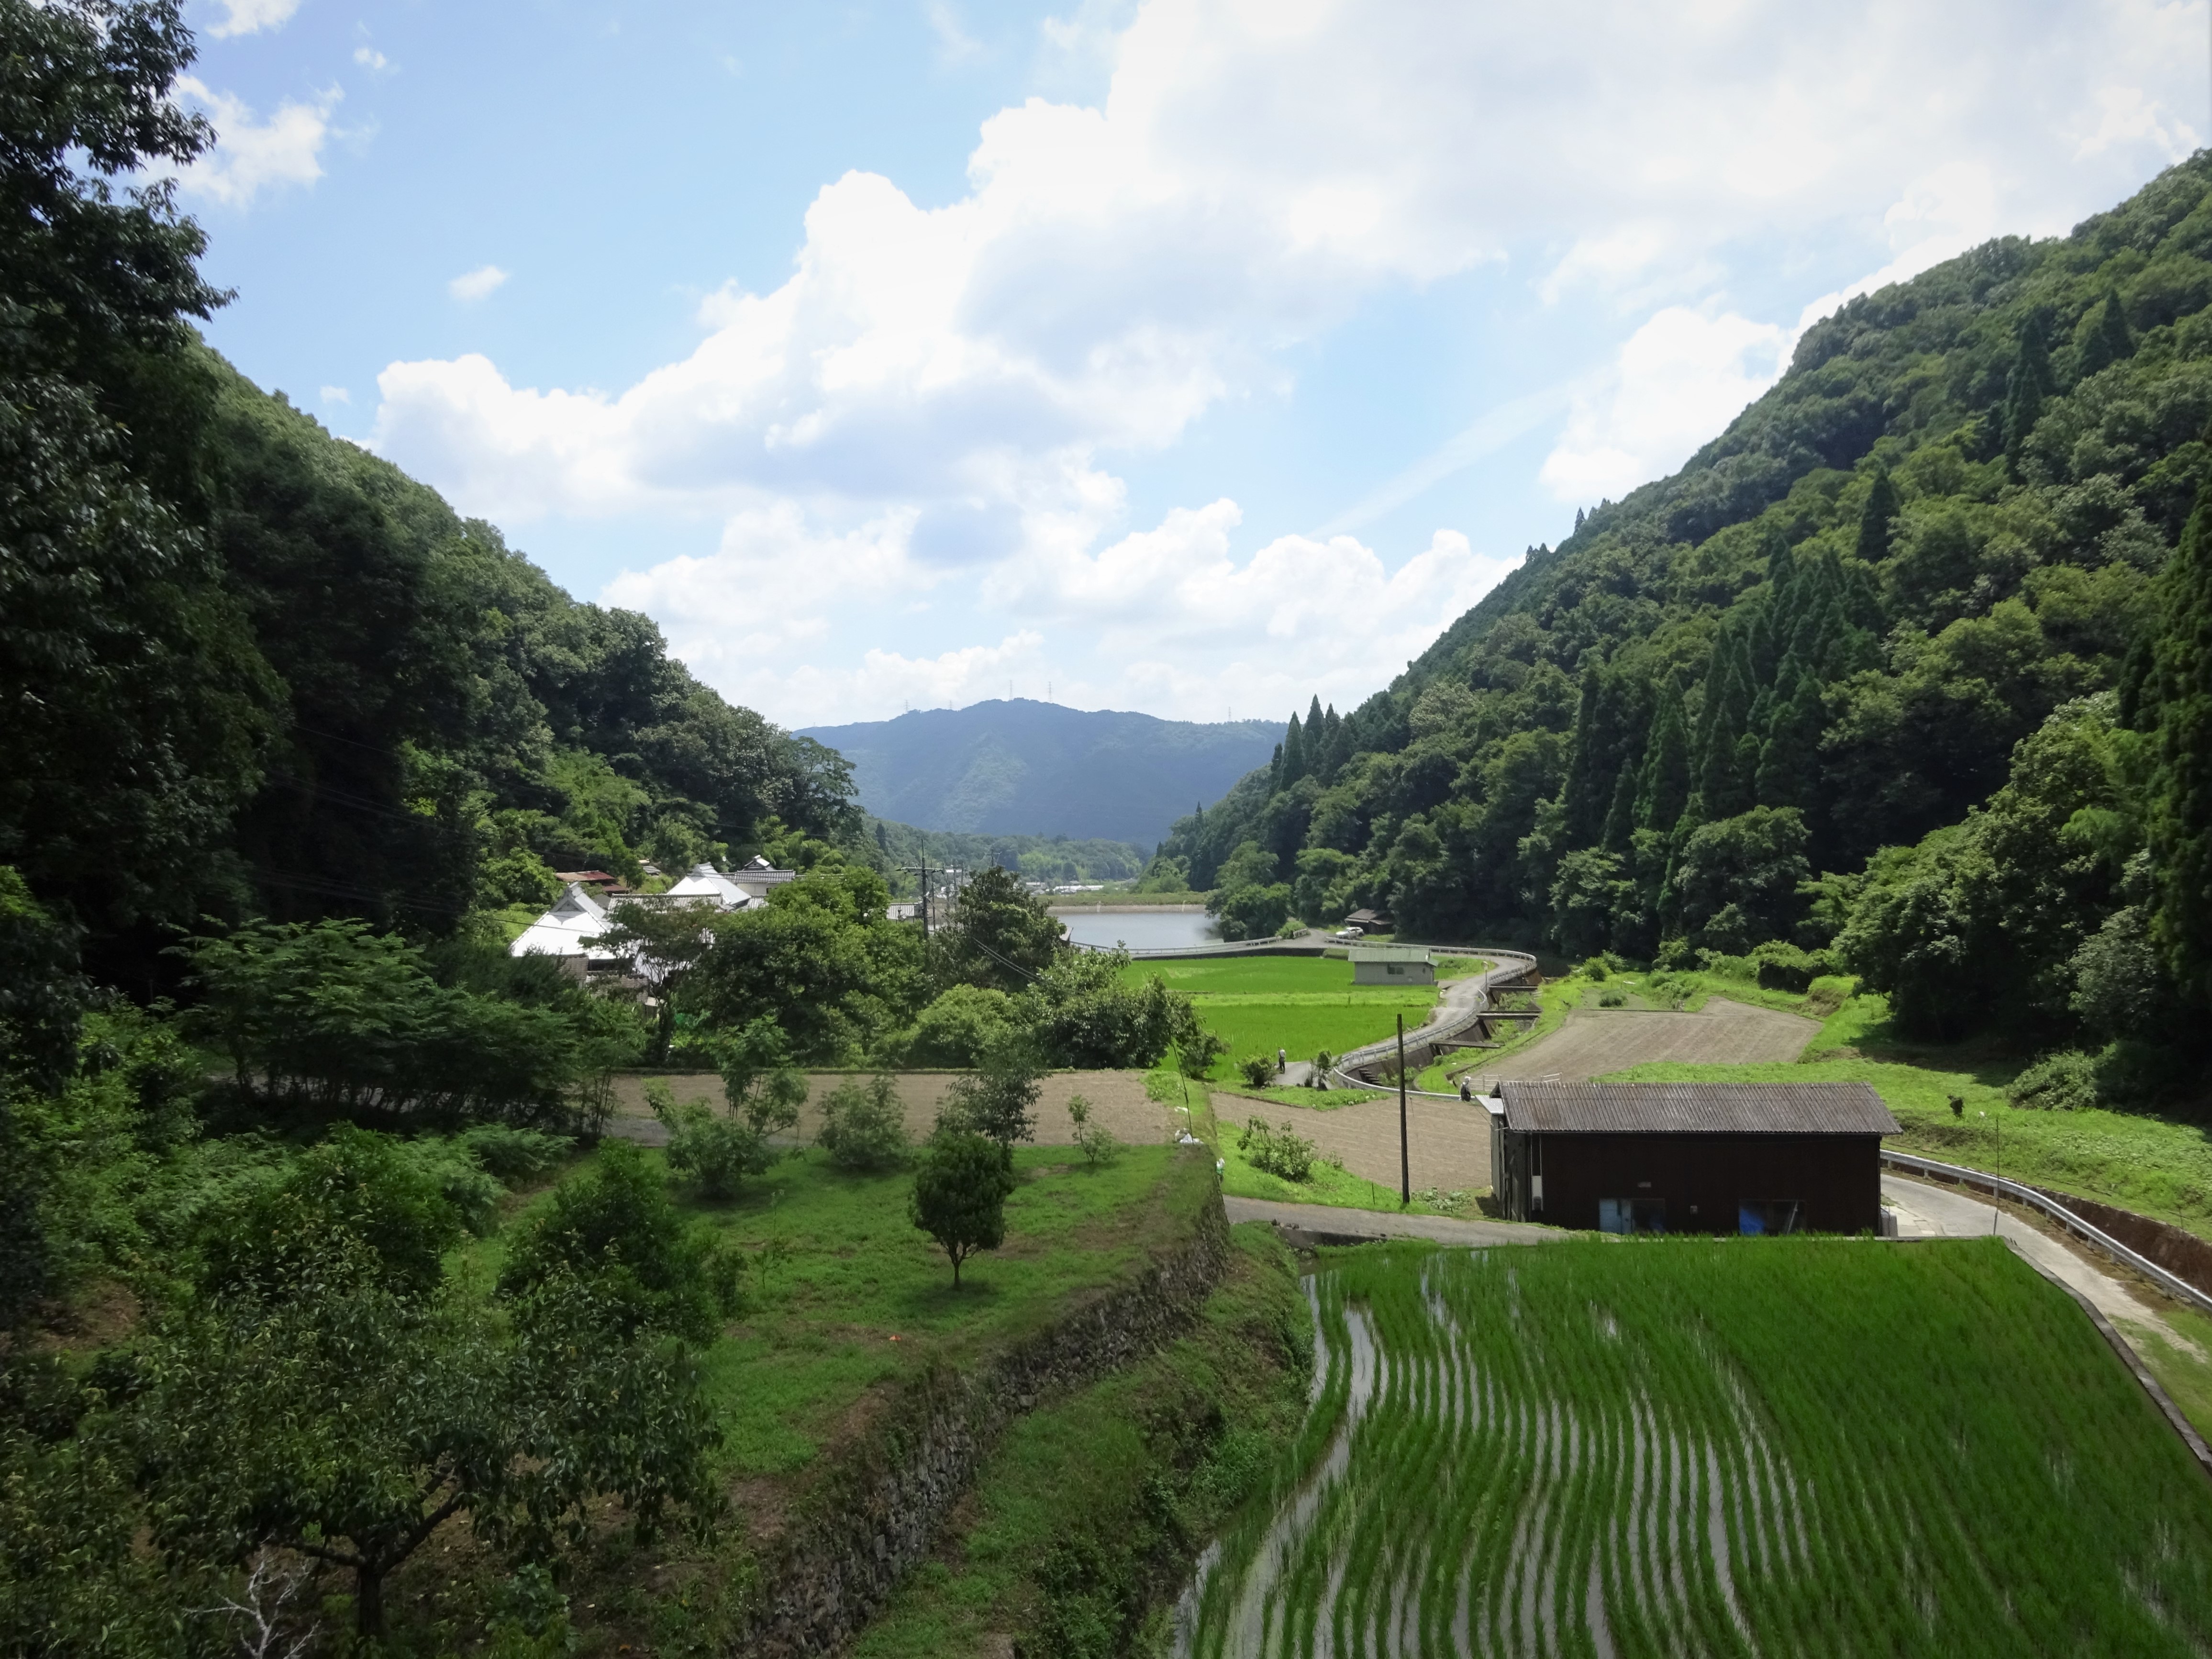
1696,1157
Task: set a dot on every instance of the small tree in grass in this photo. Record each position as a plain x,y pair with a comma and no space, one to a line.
960,1196
1095,1141
1196,1051
1259,1069
998,1098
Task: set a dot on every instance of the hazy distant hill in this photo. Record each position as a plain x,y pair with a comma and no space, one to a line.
1027,767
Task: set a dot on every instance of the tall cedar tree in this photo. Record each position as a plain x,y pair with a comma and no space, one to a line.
2028,387
1665,790
2106,341
2181,797
1294,756
1883,504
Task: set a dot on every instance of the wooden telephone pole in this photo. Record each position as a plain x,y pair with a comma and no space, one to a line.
925,872
1405,1157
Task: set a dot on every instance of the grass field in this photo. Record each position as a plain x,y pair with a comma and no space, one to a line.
1715,1447
862,1298
1299,1003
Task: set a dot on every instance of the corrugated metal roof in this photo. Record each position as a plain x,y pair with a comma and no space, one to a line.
1696,1109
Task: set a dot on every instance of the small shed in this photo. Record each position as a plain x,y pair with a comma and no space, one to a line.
1392,964
1698,1158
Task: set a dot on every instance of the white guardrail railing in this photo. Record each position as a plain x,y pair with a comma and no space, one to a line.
1451,1018
2096,1238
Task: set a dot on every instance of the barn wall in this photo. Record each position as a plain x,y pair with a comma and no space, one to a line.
1703,1177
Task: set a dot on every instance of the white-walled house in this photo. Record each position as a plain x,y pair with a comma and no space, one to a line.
571,929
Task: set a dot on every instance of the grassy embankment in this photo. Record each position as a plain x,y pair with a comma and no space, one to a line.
1997,1484
1083,1523
847,1300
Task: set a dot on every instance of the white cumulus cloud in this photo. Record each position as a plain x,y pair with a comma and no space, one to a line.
1679,379
252,156
944,393
251,16
477,284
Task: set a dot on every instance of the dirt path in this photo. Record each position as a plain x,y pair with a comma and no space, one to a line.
1594,1042
1448,1143
1117,1100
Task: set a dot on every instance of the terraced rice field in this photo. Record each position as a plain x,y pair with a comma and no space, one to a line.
1702,1447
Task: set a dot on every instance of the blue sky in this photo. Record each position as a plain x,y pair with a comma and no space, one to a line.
1172,355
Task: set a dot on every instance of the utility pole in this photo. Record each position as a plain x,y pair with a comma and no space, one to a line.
925,872
1405,1157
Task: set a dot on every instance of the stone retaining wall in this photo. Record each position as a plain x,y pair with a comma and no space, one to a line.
878,1512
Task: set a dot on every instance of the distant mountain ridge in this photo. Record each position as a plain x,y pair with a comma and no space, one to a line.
1020,767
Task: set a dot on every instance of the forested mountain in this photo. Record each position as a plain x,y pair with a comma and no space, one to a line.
279,676
1023,767
1923,596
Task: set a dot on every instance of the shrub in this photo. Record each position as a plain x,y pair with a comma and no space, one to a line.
1196,1051
864,1125
2063,1081
1281,1151
1095,1141
999,1098
1829,991
1613,997
355,1190
615,1228
1781,967
1259,1070
514,1155
715,1150
961,1026
1595,968
1721,965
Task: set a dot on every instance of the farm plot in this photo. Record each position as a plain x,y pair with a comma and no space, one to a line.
1597,1041
1713,1447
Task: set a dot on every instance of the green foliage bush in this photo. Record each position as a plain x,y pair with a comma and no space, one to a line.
997,1099
2062,1082
1258,1070
714,1150
864,1125
960,1025
1281,1151
355,1191
615,1228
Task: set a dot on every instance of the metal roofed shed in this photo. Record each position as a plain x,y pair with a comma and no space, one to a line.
1392,964
1706,1157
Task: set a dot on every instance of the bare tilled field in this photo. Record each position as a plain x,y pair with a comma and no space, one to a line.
1448,1143
1117,1100
1595,1041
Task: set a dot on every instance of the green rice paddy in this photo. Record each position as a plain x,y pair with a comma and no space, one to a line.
1713,1448
1299,1003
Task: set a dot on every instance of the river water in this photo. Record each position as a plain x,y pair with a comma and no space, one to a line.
1140,930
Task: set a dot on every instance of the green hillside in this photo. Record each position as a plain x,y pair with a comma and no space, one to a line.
1884,673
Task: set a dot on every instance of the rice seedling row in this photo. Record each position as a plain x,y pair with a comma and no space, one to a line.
1712,1447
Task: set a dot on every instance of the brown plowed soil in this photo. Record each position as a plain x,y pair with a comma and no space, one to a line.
1449,1144
1117,1100
1597,1041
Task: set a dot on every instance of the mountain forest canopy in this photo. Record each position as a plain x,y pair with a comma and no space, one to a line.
1905,672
